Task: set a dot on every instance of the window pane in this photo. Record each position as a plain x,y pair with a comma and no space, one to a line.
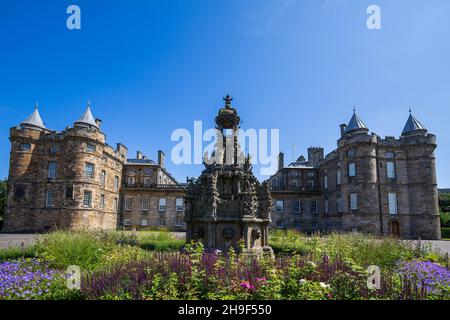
87,199
296,206
26,146
392,197
179,204
162,204
102,201
351,169
280,206
314,206
128,203
390,170
89,171
145,204
353,201
52,170
49,201
338,177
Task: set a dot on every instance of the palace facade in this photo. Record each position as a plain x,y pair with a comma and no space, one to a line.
74,179
367,184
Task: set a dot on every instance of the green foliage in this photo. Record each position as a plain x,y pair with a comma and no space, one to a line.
15,253
82,248
445,233
95,250
445,219
444,201
158,241
364,250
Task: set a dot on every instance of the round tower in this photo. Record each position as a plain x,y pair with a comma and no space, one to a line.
357,167
24,169
419,146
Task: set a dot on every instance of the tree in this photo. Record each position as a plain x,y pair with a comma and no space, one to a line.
444,201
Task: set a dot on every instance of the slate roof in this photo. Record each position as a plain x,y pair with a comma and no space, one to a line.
87,119
355,124
34,120
412,124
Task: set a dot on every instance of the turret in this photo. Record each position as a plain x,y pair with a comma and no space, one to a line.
87,120
413,126
356,125
34,121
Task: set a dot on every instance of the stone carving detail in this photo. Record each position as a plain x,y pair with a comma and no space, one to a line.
228,234
256,233
227,196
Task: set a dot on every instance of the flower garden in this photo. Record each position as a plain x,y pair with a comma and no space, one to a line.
154,266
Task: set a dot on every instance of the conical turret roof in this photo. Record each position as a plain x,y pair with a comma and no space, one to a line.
412,125
355,123
34,120
87,118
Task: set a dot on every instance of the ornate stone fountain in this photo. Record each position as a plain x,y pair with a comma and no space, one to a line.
227,203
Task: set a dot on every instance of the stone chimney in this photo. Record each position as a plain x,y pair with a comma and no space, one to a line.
315,155
139,155
98,122
280,160
122,150
161,157
343,128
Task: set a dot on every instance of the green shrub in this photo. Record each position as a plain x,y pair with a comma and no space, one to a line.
159,241
445,233
82,248
364,250
14,253
445,219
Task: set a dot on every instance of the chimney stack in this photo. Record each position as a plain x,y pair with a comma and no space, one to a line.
280,160
98,122
161,158
122,150
139,155
343,128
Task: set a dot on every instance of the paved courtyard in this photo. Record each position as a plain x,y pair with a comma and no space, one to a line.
16,240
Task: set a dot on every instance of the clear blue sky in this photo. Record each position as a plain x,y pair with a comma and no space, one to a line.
150,67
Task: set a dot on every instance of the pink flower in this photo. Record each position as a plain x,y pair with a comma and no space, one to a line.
247,285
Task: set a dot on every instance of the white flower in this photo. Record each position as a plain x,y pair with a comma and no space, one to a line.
302,281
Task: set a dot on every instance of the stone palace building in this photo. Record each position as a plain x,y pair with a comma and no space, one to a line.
74,179
368,184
